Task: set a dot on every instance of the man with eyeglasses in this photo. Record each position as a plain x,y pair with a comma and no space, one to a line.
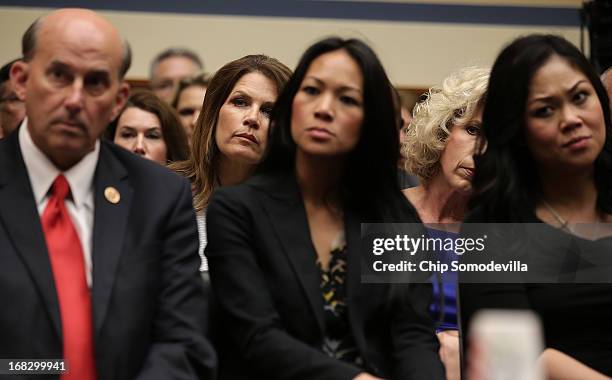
169,67
12,109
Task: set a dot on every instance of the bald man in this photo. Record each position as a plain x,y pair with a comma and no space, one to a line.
95,267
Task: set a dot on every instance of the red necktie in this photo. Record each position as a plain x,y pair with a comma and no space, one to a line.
67,263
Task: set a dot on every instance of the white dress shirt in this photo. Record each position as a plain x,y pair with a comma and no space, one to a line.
42,172
201,219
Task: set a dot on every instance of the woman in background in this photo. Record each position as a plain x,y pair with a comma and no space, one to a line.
150,128
549,161
439,145
284,247
439,148
188,101
404,117
232,130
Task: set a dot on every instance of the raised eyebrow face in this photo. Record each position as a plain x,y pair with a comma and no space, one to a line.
544,97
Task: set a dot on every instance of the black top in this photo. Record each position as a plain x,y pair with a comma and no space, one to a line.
575,317
270,309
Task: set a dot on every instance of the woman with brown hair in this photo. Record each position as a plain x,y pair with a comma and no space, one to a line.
231,133
150,128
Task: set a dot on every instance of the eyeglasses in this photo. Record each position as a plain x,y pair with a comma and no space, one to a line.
163,85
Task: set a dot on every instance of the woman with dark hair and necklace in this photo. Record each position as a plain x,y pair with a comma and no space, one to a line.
284,247
549,162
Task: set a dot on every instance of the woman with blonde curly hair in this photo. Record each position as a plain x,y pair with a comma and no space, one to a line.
439,146
231,133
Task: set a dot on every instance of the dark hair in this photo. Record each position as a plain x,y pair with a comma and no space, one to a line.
199,80
397,104
5,71
28,47
369,182
174,135
175,52
506,184
201,168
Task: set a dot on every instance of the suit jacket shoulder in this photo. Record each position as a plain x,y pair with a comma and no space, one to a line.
147,297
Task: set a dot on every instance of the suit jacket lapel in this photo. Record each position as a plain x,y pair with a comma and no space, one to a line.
110,221
19,215
288,218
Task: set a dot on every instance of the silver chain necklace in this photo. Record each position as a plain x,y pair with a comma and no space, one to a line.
564,224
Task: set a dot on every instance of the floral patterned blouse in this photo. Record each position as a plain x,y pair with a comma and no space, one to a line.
338,340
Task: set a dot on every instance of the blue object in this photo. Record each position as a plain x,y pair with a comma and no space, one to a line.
443,307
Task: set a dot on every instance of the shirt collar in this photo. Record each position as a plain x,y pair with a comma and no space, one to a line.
42,172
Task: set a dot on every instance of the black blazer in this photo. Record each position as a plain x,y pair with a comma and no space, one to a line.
270,307
147,296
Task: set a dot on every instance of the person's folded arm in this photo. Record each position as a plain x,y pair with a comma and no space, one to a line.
179,349
415,345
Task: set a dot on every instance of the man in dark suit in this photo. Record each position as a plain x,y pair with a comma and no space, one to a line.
98,247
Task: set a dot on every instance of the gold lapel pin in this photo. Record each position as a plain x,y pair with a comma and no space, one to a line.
112,195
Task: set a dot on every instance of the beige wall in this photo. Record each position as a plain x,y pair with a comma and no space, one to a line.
415,54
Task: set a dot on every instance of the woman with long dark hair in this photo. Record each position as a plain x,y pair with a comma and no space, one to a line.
284,247
548,161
